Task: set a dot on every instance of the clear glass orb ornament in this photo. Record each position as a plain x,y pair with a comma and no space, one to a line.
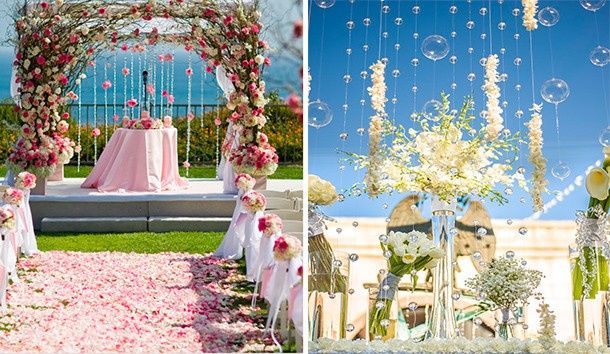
365,47
398,21
470,50
415,62
350,327
483,36
325,4
523,230
599,56
320,114
592,5
509,221
348,51
516,36
412,306
350,24
502,26
347,78
384,323
385,9
518,87
470,25
555,90
516,12
604,137
416,9
353,257
395,73
343,136
332,295
517,61
483,61
453,34
548,16
355,224
561,170
477,321
435,47
481,231
366,21
483,11
415,35
519,113
471,77
456,296
397,46
383,238
360,131
430,108
510,254
453,59
453,9
476,255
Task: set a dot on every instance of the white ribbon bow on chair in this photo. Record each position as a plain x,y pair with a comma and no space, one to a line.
252,242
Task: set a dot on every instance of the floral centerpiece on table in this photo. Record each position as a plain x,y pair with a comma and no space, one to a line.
270,225
406,253
142,124
25,180
7,218
254,202
286,247
506,283
244,182
13,196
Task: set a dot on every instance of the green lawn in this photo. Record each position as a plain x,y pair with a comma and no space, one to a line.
139,242
283,172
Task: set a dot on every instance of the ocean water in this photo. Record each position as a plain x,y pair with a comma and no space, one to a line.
282,76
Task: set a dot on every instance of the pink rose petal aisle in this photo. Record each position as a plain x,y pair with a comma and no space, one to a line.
111,302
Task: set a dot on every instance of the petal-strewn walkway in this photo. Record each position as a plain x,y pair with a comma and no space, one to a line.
109,302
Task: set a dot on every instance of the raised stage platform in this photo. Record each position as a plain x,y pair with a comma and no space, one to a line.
202,207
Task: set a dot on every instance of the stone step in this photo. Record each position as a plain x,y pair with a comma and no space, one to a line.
95,225
135,224
164,224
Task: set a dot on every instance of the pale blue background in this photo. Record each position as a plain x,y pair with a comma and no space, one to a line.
582,116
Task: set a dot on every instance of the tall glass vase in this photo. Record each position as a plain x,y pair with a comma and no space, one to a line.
441,323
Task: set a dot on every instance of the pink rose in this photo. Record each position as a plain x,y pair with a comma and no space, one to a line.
77,149
115,117
170,99
96,132
132,103
189,71
125,71
186,164
217,121
62,126
106,84
146,123
190,116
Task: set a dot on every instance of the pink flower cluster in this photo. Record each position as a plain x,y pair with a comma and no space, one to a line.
244,182
65,148
270,225
144,123
256,160
25,180
254,201
13,196
286,247
7,218
118,302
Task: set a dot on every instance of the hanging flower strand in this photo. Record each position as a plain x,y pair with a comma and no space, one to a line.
536,158
493,114
378,100
530,7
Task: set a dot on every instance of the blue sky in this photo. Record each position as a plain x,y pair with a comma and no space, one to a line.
582,116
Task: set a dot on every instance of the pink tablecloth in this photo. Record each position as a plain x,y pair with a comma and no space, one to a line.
138,161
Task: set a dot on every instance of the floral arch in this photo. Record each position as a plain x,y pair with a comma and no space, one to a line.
56,40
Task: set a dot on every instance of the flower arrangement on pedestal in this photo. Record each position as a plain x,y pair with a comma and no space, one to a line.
270,224
13,196
7,218
57,40
25,180
254,201
244,182
286,247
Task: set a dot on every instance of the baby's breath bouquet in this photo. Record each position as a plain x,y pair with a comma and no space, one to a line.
507,283
406,253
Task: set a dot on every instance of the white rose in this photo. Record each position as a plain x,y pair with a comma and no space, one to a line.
85,30
259,59
321,192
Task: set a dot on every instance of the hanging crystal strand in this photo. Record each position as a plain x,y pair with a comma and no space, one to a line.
218,94
203,77
344,134
139,85
161,87
504,75
114,85
517,62
132,90
125,112
396,72
189,114
415,61
171,80
453,9
105,104
78,138
94,111
363,74
470,25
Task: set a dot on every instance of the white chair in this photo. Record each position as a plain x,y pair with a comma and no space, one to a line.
286,214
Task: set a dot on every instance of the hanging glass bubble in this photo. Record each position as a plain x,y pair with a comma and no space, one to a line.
325,4
320,114
548,16
604,137
435,47
431,108
592,5
599,56
555,90
561,170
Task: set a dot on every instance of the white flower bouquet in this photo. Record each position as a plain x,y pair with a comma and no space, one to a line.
407,253
446,157
320,191
505,282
